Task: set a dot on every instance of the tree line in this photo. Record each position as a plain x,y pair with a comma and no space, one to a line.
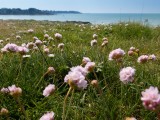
32,11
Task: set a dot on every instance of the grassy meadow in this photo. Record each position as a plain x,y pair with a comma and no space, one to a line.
111,100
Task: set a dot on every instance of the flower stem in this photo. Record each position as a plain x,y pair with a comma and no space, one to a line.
43,55
64,103
22,108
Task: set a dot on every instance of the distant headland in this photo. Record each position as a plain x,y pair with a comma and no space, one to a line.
33,11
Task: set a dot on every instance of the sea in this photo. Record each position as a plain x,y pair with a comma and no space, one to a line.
152,19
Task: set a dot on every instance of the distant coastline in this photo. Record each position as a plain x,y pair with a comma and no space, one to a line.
33,11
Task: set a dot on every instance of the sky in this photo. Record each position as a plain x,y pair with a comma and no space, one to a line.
87,6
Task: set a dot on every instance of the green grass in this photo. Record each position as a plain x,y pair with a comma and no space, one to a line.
117,100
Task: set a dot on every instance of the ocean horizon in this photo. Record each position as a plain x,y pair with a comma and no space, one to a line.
152,19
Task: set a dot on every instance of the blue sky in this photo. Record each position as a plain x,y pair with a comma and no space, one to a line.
88,6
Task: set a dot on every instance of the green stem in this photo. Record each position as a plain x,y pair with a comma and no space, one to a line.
22,108
43,55
95,75
64,103
70,102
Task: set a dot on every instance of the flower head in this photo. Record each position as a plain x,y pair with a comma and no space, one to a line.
152,57
48,116
11,47
151,98
76,79
142,59
90,66
85,60
46,36
80,69
61,45
93,42
49,90
58,36
22,50
15,91
127,74
116,54
95,36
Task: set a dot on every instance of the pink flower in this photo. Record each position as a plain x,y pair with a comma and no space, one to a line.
142,59
116,54
151,98
75,78
30,45
46,36
132,49
51,70
48,116
4,90
38,42
80,69
130,118
152,57
130,53
15,91
104,43
58,36
46,51
95,36
30,31
61,45
11,47
4,50
18,37
104,39
90,66
93,42
49,90
22,50
85,60
127,74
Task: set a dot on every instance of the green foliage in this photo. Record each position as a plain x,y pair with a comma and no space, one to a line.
117,100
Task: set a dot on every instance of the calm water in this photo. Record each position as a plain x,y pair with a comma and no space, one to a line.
151,19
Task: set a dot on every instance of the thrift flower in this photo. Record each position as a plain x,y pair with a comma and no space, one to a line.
80,69
4,111
85,60
127,74
93,42
116,54
11,47
48,116
90,66
58,36
48,90
76,79
142,59
95,36
152,57
15,91
151,98
61,45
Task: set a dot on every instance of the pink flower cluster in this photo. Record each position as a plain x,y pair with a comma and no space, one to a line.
76,76
48,90
93,42
127,74
145,58
10,47
151,98
58,36
116,54
12,90
48,116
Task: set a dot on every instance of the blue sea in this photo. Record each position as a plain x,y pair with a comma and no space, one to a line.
94,18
